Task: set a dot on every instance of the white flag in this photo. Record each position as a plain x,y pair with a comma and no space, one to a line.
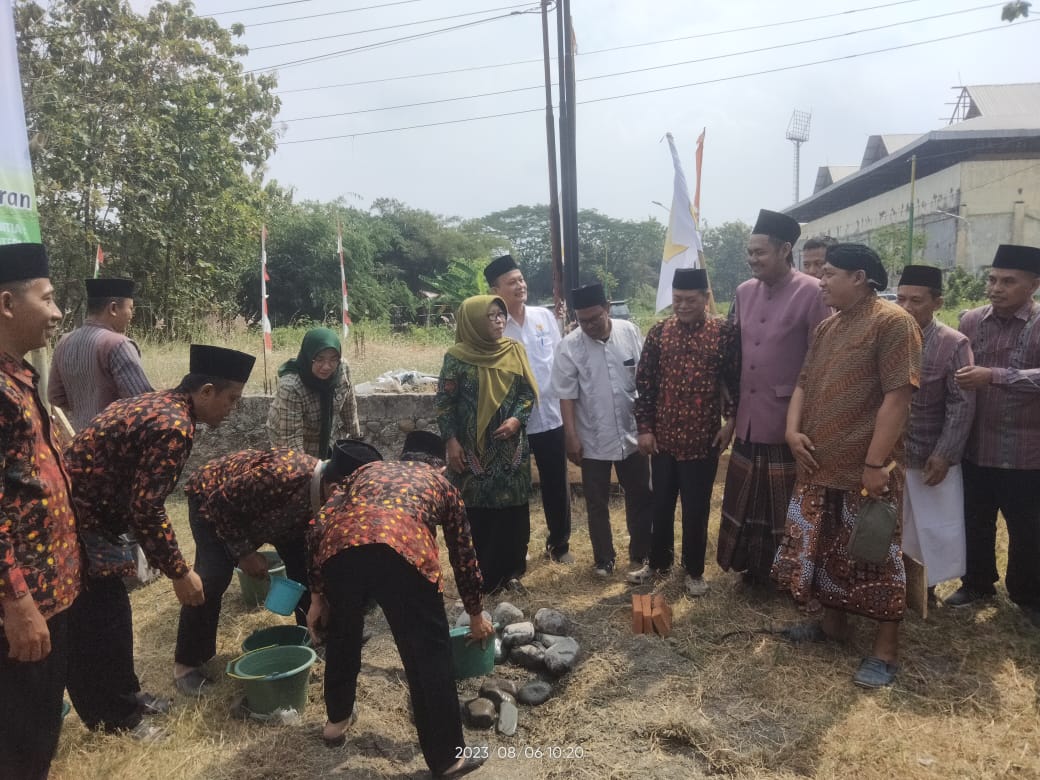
683,241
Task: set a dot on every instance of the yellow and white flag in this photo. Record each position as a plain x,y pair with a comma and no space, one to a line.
682,243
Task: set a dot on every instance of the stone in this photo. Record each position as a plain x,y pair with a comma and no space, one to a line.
373,426
562,656
551,621
500,651
463,619
508,715
480,713
534,693
406,425
528,656
548,640
506,614
517,634
495,688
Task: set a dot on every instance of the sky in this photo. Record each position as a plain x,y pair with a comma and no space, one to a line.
472,168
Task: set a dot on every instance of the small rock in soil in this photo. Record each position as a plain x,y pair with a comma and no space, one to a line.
562,656
480,713
505,614
494,687
551,621
534,692
507,719
528,656
463,619
518,634
548,640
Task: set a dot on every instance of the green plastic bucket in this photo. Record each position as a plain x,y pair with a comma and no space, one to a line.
254,591
277,635
274,677
470,660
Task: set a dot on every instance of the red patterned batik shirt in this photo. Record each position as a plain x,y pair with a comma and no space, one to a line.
124,465
399,504
255,497
681,374
39,552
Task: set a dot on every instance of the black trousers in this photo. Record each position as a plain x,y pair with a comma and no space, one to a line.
30,706
102,682
692,482
550,455
634,475
197,629
1015,493
415,611
500,539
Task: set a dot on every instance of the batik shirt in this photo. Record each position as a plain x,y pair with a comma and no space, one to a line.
124,465
399,504
39,552
255,497
681,372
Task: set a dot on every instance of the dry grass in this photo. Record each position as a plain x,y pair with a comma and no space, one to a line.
965,704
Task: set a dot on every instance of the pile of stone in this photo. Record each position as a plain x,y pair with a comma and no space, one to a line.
543,645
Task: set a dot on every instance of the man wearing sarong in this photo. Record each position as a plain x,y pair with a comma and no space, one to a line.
123,466
687,359
940,421
776,313
1002,461
845,427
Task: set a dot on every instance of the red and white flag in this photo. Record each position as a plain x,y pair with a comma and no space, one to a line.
264,279
343,279
99,260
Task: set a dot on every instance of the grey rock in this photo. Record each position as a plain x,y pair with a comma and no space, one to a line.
463,619
518,634
551,621
506,614
562,656
534,692
508,716
548,640
528,656
500,651
496,688
480,713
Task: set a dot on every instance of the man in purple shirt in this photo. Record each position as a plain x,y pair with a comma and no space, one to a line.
1002,461
776,312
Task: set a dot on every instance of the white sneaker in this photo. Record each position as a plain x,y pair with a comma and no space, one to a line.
643,576
696,586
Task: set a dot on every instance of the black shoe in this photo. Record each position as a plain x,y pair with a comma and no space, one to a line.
469,764
965,596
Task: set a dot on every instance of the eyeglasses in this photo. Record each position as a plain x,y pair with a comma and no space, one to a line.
333,361
497,316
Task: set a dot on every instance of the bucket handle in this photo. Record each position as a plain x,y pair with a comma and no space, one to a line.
231,665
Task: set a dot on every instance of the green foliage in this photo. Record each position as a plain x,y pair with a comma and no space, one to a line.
725,254
890,243
1013,10
961,288
463,279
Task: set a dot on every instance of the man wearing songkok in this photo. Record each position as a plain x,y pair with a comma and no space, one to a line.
845,427
1002,460
536,328
940,421
594,376
376,538
98,363
39,552
236,504
776,313
123,466
814,255
687,359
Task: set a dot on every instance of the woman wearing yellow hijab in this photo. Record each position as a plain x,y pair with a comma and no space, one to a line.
484,397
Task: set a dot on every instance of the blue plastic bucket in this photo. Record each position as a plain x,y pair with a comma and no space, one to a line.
254,591
283,595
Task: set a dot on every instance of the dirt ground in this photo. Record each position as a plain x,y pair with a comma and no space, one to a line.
694,705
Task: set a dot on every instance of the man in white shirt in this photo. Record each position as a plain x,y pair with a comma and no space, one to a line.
594,376
536,328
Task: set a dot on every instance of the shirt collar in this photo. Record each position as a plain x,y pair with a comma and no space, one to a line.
928,329
1023,313
22,370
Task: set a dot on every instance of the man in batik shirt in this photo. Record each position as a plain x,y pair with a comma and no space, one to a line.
376,538
687,359
39,553
845,428
123,466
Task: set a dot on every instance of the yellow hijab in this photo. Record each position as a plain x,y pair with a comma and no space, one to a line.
497,360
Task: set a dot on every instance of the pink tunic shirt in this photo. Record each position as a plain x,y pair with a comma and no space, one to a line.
776,327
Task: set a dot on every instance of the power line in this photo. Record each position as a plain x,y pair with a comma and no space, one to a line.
666,89
324,13
648,68
298,2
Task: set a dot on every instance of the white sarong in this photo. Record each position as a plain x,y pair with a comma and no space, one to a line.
933,524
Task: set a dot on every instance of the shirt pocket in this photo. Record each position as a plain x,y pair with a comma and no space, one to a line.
783,391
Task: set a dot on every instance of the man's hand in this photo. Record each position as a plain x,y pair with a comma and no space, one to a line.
935,469
27,633
254,564
480,628
189,589
802,448
973,377
647,443
508,429
456,456
574,449
725,435
875,482
317,618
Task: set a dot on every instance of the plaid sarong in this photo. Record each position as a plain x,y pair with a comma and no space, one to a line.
759,483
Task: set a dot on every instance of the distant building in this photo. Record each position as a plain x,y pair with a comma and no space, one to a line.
978,181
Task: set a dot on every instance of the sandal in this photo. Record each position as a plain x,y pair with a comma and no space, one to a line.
193,683
340,739
149,704
875,673
469,764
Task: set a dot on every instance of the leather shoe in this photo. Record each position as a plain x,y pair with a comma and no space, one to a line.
469,764
965,596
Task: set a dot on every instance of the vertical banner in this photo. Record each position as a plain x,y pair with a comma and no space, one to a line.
99,260
682,243
343,279
264,279
19,222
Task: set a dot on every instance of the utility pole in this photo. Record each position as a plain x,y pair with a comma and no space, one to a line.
568,158
910,222
554,201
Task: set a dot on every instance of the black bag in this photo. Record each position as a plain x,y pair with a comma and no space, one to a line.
873,530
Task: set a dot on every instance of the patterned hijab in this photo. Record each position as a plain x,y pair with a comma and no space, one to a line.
314,341
497,360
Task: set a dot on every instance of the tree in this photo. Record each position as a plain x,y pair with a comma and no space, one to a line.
1013,10
890,242
725,255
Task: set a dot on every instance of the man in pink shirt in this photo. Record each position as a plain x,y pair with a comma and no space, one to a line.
776,312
